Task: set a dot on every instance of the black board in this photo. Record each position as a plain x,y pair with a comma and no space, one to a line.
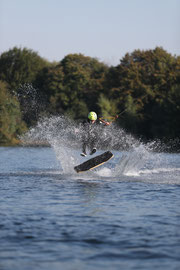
93,162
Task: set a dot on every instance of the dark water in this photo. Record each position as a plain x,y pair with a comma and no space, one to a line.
125,215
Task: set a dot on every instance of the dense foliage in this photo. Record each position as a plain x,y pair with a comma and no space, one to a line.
145,86
11,123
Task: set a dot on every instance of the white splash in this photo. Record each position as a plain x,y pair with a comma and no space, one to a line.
65,137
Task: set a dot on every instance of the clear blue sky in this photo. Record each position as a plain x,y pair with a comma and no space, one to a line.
105,29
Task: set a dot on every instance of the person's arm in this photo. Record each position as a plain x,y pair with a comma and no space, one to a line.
107,123
104,122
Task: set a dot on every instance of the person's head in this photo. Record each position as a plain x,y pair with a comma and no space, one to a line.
92,116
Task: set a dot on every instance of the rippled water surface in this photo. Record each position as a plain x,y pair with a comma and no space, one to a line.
123,215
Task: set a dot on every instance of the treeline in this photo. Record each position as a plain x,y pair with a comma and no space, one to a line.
145,86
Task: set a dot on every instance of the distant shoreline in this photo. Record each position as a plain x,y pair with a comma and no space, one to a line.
165,149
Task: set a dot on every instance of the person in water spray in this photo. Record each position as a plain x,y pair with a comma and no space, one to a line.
90,134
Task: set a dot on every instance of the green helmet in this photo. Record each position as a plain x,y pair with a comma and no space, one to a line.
92,116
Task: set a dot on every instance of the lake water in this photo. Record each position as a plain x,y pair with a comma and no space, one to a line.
123,215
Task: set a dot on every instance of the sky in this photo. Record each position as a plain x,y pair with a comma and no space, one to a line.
104,29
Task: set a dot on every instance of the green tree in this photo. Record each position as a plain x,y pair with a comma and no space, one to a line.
148,77
11,124
73,86
107,107
19,66
130,118
50,82
83,79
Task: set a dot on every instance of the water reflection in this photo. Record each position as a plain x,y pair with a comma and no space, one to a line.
90,193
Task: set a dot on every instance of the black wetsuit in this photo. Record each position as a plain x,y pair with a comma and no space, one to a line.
90,135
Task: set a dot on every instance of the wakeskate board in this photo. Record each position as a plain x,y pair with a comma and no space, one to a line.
93,162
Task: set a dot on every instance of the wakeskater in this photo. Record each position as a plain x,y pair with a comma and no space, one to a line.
90,134
89,140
